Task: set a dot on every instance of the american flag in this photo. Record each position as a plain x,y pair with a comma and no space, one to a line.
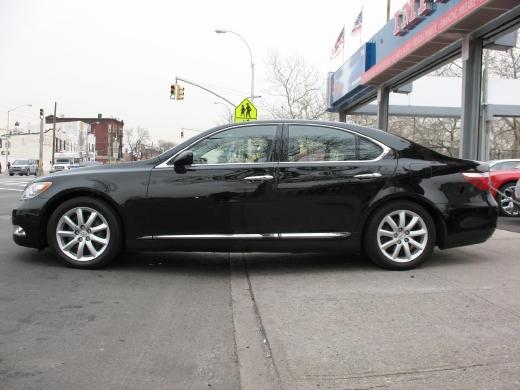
338,46
358,23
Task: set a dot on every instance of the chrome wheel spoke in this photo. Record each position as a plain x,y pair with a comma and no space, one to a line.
91,219
65,233
79,252
397,250
402,219
98,228
388,244
91,249
99,239
415,233
386,233
412,223
79,216
416,244
407,252
391,222
69,222
70,244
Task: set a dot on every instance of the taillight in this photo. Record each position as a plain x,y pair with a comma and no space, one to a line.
478,179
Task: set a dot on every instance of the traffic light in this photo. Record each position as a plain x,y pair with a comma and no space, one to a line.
172,91
182,133
41,113
180,92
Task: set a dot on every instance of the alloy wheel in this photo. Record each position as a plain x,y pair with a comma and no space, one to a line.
83,234
507,204
402,236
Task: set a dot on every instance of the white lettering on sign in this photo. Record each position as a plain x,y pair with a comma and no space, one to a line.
412,13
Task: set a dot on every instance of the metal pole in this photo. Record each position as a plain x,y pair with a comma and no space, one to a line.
40,162
387,10
54,131
205,89
7,142
382,108
471,91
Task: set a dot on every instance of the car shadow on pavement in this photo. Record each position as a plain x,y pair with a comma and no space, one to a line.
218,262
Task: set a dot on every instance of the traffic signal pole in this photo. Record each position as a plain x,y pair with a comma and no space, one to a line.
40,161
205,89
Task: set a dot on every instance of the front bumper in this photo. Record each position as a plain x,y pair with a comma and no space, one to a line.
27,227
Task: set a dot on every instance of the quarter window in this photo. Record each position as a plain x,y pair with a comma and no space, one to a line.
248,144
367,150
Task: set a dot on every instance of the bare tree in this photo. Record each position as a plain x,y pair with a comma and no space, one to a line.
298,89
163,145
136,140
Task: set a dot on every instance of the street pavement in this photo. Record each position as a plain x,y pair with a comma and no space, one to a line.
259,321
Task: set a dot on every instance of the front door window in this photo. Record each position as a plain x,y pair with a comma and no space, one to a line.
239,145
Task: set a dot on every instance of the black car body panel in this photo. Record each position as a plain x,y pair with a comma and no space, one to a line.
163,206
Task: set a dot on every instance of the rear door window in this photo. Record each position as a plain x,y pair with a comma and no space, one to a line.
320,143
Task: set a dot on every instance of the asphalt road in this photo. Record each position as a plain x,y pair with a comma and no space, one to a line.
151,321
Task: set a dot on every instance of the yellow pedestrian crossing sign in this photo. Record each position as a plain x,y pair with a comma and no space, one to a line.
245,111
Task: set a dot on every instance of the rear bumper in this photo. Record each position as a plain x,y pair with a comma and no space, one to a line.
468,224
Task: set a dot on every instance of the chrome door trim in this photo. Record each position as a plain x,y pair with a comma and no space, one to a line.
259,178
368,175
292,236
247,236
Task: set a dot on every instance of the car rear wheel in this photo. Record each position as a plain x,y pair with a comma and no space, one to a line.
399,235
505,200
84,232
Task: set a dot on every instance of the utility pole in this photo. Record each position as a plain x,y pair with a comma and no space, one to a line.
40,161
54,132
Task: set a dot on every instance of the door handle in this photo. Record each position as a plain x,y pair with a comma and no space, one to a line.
368,175
259,178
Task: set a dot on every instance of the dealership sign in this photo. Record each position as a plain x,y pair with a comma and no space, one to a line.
412,13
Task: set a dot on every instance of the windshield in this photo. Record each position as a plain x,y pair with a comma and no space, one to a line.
20,162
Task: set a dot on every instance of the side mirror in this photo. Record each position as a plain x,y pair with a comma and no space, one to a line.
183,158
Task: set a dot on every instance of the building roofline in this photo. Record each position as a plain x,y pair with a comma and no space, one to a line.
50,118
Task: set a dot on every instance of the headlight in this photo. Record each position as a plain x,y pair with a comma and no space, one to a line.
35,189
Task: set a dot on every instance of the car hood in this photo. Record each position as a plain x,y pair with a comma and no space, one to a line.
100,169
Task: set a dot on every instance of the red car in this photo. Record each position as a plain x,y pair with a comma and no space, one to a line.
505,182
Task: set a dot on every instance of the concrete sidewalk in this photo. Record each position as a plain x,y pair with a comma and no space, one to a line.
323,322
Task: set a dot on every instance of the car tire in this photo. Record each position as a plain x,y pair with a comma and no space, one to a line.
90,242
11,174
404,244
509,190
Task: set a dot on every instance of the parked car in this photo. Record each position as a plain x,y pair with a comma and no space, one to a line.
24,167
501,165
503,189
266,186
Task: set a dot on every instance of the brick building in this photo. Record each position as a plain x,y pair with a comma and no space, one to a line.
109,136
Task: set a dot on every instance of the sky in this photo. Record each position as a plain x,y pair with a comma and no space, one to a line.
119,57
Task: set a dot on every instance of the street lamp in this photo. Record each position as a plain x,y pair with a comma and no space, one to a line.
7,132
219,31
229,110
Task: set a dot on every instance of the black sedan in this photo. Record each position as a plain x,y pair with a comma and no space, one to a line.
266,186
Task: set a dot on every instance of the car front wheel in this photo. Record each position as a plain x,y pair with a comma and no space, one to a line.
84,232
399,235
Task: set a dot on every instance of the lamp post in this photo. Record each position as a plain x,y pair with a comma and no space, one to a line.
7,132
229,110
219,31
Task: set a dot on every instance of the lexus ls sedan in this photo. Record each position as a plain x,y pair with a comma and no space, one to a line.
275,186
